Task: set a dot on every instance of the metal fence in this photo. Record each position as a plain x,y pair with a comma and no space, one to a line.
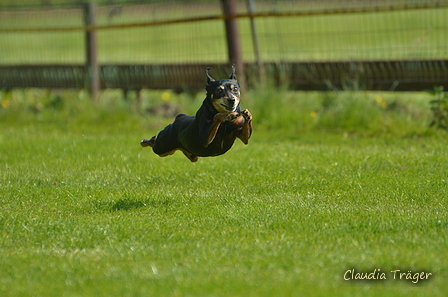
308,44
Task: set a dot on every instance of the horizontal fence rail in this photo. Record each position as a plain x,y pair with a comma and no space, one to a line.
372,75
332,11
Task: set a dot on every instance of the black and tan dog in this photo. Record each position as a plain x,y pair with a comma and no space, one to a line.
212,132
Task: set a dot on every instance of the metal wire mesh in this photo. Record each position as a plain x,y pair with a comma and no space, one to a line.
192,32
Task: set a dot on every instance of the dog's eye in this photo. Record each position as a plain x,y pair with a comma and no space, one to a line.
219,91
235,89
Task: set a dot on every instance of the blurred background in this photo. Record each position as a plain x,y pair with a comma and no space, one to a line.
305,45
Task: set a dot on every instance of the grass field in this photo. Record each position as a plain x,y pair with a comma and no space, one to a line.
319,190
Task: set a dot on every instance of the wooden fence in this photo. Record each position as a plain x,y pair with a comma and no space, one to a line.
371,75
367,75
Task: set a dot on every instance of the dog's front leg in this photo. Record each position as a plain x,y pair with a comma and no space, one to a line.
217,120
246,132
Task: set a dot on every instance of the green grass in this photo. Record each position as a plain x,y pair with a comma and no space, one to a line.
85,211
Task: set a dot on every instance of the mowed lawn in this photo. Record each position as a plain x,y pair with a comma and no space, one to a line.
85,211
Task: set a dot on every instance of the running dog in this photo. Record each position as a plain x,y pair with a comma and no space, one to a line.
212,132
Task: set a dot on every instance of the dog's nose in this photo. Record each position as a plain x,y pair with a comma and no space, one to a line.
231,100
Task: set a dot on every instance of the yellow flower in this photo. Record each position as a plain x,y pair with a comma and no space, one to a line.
313,114
381,102
166,96
378,99
5,103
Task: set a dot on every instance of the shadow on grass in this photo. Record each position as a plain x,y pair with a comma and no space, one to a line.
129,204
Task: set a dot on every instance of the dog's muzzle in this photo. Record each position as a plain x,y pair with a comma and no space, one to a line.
231,104
229,108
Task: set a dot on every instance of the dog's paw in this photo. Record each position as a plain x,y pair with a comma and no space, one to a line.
246,115
232,116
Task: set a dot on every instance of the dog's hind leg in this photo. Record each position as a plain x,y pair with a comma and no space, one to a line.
164,144
146,142
190,156
168,153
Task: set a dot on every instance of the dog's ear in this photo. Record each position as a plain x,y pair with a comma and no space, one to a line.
232,76
209,78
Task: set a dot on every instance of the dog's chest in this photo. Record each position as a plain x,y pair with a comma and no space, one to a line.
226,135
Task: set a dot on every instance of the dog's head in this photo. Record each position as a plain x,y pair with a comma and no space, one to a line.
224,94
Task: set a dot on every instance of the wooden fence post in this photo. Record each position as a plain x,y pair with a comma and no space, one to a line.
92,68
261,69
229,8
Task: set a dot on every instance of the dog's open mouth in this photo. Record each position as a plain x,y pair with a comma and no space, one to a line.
230,108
